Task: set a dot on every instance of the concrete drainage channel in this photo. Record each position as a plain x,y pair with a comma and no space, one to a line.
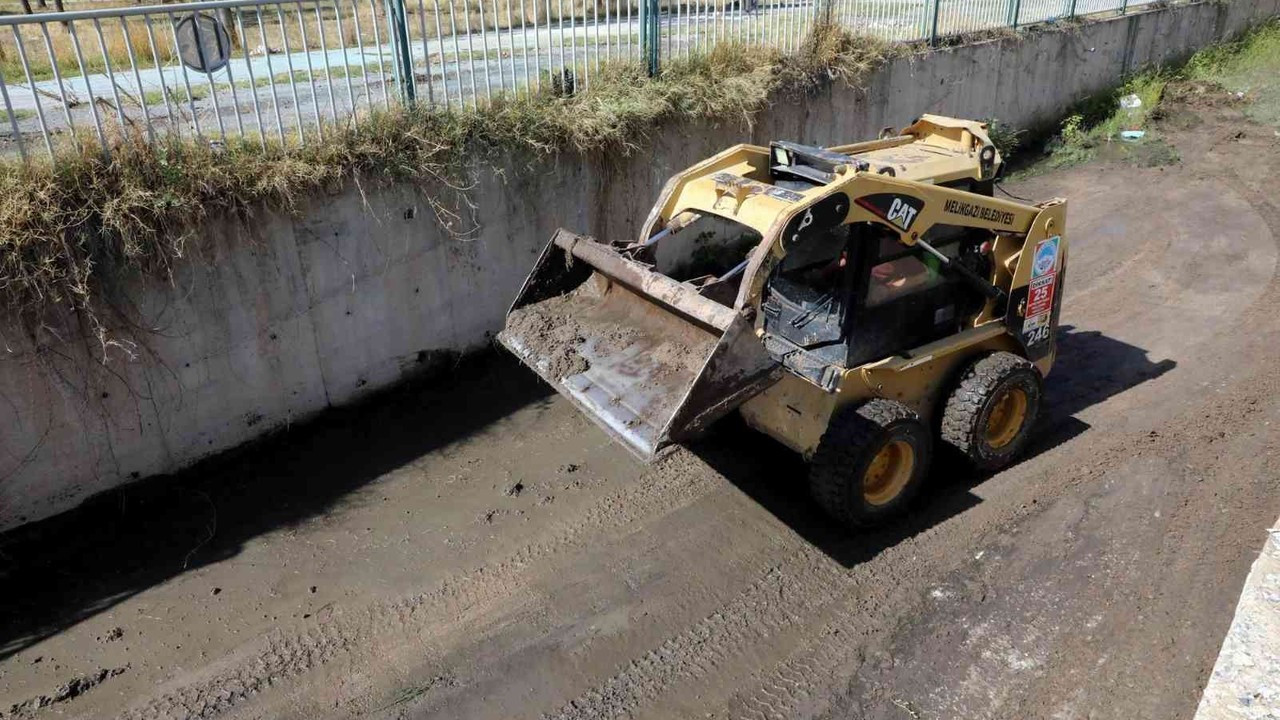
280,317
476,548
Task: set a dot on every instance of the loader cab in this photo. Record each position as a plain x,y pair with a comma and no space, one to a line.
856,295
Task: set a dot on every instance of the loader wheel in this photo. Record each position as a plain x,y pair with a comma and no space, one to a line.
990,414
870,462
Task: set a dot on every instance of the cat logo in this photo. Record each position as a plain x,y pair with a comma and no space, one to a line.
899,210
901,214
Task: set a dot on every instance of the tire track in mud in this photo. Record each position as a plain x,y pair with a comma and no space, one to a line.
773,602
830,616
805,589
674,482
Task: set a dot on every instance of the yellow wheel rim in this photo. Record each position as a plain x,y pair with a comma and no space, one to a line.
888,473
1006,417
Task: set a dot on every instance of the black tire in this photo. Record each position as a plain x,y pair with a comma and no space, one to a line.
838,474
985,386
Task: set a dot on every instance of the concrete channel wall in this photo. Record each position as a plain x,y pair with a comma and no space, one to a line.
275,317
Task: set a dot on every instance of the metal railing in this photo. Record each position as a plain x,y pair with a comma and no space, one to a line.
292,70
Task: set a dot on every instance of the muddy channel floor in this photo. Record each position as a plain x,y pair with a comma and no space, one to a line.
473,548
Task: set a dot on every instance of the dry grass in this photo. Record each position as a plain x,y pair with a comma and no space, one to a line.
70,232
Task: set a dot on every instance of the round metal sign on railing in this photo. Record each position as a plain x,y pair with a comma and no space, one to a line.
203,42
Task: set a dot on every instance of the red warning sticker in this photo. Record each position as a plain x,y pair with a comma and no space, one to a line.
1040,295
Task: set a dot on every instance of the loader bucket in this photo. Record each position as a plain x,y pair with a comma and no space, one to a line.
646,357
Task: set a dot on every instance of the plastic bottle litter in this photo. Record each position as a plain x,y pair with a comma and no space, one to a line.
1131,119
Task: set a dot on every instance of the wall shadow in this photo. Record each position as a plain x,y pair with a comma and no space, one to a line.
74,565
1090,368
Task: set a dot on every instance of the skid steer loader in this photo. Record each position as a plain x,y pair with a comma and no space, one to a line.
863,304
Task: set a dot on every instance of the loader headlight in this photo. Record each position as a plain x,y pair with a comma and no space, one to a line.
987,160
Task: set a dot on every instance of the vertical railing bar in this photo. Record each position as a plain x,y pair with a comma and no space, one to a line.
471,59
758,23
714,36
524,42
444,66
137,79
84,73
328,68
673,23
693,13
573,44
595,14
693,19
497,39
364,64
707,26
796,19
26,69
730,29
235,96
13,119
346,59
186,81
457,59
382,68
484,46
164,91
679,27
213,87
426,54
781,37
560,34
586,50
763,21
253,80
111,75
293,85
791,23
271,73
395,53
742,22
718,5
697,40
772,38
311,73
717,22
721,8
658,21
551,45
608,33
537,51
511,46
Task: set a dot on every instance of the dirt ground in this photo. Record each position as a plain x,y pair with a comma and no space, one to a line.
473,548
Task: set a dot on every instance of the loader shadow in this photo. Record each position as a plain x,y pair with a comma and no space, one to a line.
1090,368
67,569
